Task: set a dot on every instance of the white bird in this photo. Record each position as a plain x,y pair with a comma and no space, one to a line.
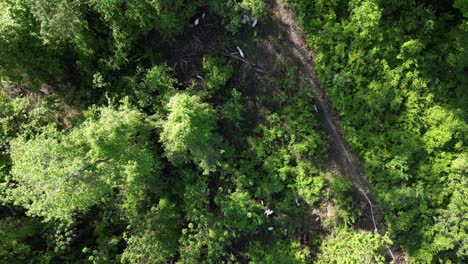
268,212
270,228
254,22
240,52
196,21
246,19
297,202
203,16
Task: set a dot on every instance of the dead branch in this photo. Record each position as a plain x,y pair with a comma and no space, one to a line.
253,65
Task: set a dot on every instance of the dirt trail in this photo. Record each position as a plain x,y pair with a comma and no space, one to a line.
348,166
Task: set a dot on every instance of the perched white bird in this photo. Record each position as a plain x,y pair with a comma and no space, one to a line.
268,212
297,202
203,16
240,52
246,19
254,22
270,228
196,21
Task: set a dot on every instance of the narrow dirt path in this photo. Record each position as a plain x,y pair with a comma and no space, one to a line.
349,166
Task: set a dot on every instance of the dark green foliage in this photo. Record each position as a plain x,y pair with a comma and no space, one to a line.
232,11
154,91
218,72
17,238
281,252
343,197
23,57
154,238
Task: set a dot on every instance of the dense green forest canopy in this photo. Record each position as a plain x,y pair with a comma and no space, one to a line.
173,131
396,72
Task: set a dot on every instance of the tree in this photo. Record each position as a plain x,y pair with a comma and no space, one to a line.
281,252
57,174
154,238
23,57
347,246
241,212
234,109
217,72
232,11
18,238
188,132
205,238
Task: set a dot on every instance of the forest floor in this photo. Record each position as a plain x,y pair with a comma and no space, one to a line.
340,161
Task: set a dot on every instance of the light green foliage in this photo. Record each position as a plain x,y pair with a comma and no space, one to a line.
188,132
347,246
23,116
443,126
309,183
20,116
57,174
276,160
217,72
365,17
451,224
394,71
281,252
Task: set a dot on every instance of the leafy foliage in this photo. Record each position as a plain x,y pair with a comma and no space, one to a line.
394,71
55,174
155,238
188,133
218,72
280,252
232,11
210,159
353,247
